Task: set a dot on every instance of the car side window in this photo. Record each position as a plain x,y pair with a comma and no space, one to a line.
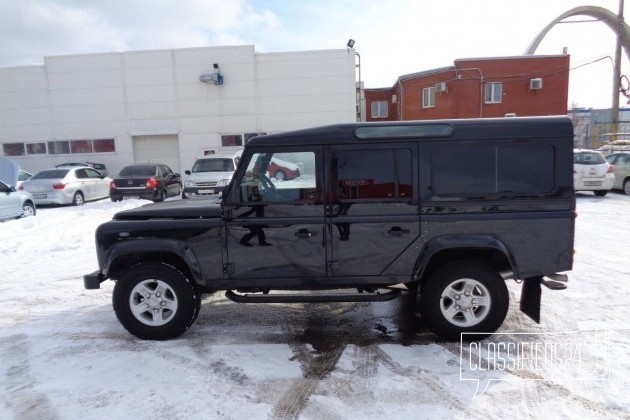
378,174
81,174
281,177
91,173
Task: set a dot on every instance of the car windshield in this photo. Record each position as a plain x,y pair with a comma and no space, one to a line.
138,171
213,165
51,174
588,158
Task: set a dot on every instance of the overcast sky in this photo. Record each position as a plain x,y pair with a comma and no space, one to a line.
393,37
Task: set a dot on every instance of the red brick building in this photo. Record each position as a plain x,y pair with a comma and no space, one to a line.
476,88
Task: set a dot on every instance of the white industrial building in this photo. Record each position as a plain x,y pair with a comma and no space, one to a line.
167,106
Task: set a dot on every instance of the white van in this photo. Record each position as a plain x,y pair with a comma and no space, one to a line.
210,174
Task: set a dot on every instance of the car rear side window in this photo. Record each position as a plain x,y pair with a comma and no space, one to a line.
480,171
382,174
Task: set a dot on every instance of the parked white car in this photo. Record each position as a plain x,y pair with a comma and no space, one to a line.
15,204
67,185
210,174
591,172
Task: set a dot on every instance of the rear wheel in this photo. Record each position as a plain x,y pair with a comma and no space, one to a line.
626,186
161,196
280,176
155,301
464,297
78,199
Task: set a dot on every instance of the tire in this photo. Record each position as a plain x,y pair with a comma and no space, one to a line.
626,186
600,193
78,199
155,301
449,309
280,176
161,196
115,199
28,209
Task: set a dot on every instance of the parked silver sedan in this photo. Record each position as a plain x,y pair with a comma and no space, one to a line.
621,164
67,185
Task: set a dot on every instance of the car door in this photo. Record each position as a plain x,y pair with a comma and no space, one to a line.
9,202
100,185
372,208
170,180
276,229
622,169
84,183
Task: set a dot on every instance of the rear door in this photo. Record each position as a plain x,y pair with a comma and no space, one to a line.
372,208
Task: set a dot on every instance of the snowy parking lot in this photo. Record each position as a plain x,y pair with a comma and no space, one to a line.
64,355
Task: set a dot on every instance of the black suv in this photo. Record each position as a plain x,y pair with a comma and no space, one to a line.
149,181
445,210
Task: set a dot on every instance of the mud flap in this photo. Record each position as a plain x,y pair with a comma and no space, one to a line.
530,298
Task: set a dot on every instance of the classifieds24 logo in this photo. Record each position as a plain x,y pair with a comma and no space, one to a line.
567,356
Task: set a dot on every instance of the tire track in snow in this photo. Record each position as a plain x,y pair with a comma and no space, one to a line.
22,398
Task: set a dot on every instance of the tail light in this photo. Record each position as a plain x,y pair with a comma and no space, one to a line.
611,170
59,186
112,185
151,183
21,188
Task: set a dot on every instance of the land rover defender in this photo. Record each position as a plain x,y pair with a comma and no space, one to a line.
447,210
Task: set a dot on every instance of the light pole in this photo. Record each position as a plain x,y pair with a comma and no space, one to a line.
617,69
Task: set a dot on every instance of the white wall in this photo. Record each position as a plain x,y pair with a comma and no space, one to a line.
120,95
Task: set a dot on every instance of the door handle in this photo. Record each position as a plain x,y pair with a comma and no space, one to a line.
398,231
305,234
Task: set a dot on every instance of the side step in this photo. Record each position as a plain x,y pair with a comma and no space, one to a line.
311,297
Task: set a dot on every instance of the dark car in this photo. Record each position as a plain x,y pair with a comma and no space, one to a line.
149,181
98,166
445,211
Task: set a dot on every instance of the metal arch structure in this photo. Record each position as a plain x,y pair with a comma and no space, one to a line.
599,13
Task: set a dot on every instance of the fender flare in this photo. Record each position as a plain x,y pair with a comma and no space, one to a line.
155,245
453,242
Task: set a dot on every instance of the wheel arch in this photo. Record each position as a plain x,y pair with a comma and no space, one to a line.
124,255
446,249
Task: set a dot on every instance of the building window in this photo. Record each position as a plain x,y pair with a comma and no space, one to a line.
379,109
494,93
59,147
81,146
428,97
231,140
104,146
36,148
13,149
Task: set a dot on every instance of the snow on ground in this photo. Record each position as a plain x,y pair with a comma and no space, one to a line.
63,354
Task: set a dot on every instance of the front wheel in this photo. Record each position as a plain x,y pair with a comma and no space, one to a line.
464,297
28,209
155,301
626,186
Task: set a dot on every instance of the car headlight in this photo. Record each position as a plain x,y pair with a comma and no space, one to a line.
223,182
189,183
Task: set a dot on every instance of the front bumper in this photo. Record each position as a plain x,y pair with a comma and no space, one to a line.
192,191
93,280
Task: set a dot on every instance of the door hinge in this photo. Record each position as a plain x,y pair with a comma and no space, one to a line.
229,268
